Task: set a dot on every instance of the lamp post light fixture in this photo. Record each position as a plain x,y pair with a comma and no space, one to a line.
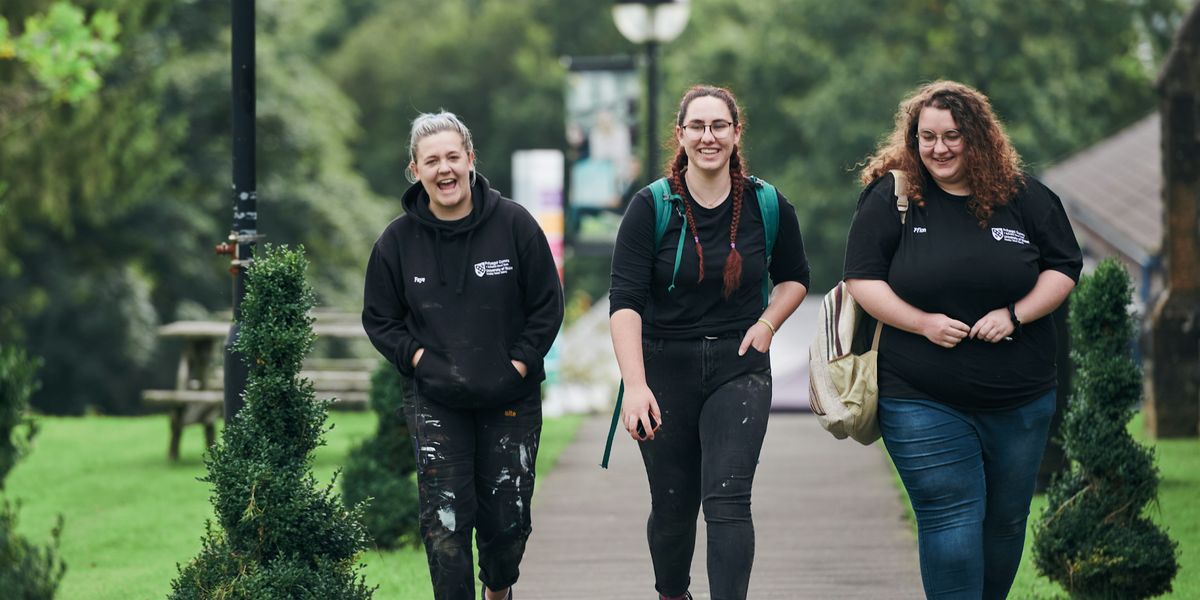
651,23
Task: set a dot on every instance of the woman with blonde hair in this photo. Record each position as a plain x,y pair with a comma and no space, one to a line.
964,287
463,297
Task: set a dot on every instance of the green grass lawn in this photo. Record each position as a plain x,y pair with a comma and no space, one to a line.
1178,510
131,516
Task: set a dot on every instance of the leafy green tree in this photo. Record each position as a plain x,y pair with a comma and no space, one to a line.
27,571
822,81
381,470
63,52
489,62
1095,538
114,202
279,535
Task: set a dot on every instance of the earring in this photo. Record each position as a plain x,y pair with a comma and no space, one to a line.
409,175
472,177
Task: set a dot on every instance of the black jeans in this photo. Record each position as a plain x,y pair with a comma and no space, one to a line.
715,406
475,470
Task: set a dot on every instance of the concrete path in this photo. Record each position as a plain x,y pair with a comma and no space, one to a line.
828,519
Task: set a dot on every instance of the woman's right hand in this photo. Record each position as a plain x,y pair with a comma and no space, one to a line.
639,406
943,330
417,356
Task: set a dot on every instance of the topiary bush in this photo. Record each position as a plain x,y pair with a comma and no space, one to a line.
1094,537
27,571
277,535
382,468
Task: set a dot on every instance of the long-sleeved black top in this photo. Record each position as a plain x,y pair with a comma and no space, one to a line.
474,293
640,277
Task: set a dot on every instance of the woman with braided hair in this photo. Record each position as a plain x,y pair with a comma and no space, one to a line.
692,338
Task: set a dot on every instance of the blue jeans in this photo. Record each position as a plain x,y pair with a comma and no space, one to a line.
970,478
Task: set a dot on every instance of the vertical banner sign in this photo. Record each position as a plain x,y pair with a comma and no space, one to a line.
537,177
602,99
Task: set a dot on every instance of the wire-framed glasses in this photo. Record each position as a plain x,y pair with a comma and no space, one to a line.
952,138
720,129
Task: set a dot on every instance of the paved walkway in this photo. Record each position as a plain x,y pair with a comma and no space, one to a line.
824,532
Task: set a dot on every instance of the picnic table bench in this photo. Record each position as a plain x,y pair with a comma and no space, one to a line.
199,394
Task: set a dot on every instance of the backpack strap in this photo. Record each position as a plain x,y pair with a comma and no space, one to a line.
768,206
664,201
901,197
902,206
612,428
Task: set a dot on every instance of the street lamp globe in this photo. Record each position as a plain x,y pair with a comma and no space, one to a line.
642,21
650,23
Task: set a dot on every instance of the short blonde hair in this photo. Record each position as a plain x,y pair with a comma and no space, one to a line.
427,124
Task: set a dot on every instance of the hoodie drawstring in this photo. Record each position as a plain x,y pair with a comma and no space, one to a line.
462,277
437,255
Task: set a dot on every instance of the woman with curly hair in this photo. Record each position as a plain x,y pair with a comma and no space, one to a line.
692,338
964,286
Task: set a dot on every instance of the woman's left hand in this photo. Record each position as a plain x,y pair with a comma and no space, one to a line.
520,367
759,336
996,326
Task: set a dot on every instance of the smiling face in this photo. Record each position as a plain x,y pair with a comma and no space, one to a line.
708,134
945,157
443,166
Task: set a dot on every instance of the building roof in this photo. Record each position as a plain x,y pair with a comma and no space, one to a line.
1114,188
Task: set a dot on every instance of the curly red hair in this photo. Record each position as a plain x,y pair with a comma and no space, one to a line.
993,165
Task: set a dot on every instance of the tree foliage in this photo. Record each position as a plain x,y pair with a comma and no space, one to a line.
1094,537
27,571
489,62
381,470
820,82
64,53
279,535
114,203
110,205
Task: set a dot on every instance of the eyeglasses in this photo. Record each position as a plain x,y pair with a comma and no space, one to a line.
720,129
952,138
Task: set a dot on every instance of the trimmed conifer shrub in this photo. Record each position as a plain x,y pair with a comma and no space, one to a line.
381,469
27,571
278,535
1094,537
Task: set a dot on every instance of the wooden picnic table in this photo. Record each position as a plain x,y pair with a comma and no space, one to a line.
199,395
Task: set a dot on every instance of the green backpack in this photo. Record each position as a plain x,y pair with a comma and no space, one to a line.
664,202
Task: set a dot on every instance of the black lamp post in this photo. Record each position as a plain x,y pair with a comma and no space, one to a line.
244,232
651,23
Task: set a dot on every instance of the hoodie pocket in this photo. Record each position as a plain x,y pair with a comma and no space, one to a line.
467,377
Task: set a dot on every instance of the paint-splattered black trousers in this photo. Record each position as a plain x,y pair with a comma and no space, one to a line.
715,406
475,470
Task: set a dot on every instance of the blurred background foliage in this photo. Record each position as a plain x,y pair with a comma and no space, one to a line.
111,200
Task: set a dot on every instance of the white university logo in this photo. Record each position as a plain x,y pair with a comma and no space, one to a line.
492,267
1001,234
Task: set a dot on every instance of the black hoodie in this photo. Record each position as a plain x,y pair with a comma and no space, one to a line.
474,293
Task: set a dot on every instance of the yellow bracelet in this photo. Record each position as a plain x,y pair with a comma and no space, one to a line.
768,324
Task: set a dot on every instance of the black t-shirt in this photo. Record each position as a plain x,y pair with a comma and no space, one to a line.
941,261
640,277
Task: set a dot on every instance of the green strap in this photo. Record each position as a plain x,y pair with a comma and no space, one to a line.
768,206
612,428
664,201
